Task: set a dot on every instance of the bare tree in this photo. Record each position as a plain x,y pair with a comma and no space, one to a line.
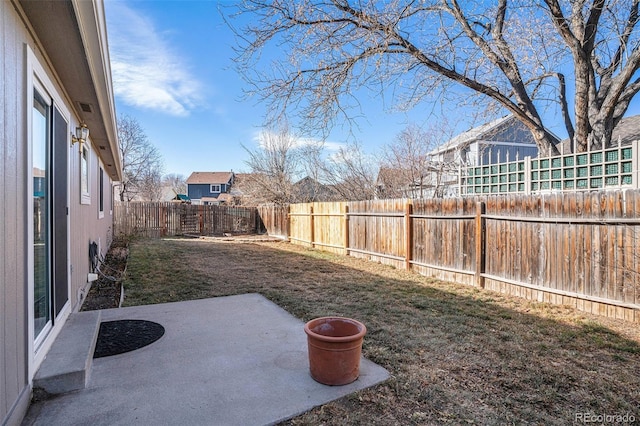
351,173
275,166
518,55
176,182
150,186
141,161
408,170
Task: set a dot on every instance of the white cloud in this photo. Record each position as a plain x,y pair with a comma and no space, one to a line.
146,72
260,138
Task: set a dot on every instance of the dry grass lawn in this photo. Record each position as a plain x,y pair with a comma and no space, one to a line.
456,355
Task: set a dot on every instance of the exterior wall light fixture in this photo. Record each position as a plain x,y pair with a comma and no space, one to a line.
82,134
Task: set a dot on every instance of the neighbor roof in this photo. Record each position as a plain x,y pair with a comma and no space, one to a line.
472,135
627,131
210,177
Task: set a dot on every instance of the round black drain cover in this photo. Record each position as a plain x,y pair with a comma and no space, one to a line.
118,337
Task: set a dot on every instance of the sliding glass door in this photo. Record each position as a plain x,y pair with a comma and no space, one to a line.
40,148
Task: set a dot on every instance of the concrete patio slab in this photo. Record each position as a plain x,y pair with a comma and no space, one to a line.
237,360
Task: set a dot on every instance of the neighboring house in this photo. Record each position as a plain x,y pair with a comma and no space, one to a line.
309,190
502,140
210,187
57,195
491,143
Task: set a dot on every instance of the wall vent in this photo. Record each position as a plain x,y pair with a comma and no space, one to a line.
85,107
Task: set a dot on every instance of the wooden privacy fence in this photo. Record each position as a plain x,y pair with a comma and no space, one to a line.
169,219
274,219
581,249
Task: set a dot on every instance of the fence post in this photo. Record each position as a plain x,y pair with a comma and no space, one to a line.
311,230
288,223
201,219
480,244
635,164
163,220
527,175
408,234
346,230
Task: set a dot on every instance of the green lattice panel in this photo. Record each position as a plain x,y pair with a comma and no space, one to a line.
582,159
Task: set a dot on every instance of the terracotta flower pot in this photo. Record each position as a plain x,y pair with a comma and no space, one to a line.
335,346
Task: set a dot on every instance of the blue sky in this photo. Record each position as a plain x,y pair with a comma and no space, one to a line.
172,71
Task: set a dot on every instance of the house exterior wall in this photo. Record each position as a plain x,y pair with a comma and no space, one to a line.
18,358
14,392
196,191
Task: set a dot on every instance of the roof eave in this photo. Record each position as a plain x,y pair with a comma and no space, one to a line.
73,37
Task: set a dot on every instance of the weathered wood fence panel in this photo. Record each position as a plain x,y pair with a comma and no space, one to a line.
275,219
444,234
581,248
377,231
328,226
169,219
300,224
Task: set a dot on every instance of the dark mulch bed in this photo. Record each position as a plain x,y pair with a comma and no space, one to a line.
105,292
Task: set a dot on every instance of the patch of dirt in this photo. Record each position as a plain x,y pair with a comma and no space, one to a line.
238,238
105,292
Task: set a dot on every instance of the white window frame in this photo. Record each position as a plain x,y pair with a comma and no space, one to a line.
213,190
85,196
38,79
